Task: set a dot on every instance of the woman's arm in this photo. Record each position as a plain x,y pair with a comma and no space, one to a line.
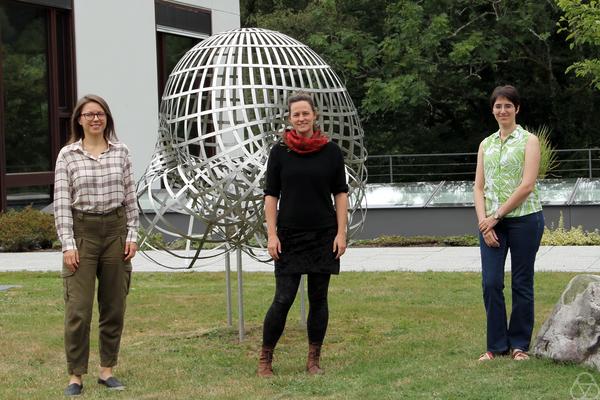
478,193
531,169
131,209
63,217
341,213
273,244
489,237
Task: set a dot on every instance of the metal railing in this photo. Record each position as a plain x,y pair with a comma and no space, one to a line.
390,168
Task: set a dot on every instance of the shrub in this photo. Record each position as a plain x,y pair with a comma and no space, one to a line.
149,241
572,237
156,240
407,241
28,229
548,155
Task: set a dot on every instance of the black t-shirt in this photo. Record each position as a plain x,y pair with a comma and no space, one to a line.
304,184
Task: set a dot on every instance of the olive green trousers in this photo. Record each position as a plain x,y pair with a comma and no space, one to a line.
100,242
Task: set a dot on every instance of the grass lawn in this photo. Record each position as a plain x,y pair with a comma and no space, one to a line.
393,335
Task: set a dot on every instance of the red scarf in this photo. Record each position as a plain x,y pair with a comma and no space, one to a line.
302,144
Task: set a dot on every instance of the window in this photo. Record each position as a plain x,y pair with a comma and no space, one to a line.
170,49
178,29
36,97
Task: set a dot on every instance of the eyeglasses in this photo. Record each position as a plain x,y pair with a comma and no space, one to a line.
90,115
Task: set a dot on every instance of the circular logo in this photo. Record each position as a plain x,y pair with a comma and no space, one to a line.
585,387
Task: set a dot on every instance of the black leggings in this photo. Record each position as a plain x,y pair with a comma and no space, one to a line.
286,287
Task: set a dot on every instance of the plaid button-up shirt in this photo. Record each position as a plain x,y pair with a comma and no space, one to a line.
94,185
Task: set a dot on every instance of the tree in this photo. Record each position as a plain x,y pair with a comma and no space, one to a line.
421,72
582,20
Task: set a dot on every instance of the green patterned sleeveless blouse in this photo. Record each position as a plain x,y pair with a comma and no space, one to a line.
503,164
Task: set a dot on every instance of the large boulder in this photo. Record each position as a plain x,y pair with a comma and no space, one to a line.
572,332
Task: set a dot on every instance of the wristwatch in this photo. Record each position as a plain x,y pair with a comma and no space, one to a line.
497,216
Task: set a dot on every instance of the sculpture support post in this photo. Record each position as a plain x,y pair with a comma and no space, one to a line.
238,253
228,285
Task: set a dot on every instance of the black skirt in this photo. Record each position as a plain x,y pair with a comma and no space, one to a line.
307,252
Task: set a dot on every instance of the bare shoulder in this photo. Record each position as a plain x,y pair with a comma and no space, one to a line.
533,140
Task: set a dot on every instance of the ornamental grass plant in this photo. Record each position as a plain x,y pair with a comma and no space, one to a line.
392,335
548,156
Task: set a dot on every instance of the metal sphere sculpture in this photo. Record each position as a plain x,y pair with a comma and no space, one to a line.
223,107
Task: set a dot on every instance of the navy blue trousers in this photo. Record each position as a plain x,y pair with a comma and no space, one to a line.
522,235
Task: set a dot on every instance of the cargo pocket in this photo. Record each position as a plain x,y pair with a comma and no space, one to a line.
126,264
66,290
128,286
66,272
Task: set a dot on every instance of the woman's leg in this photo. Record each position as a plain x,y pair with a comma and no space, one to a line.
79,300
286,287
525,234
114,275
79,287
318,313
492,273
113,285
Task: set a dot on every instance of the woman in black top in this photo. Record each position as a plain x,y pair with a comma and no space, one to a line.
308,236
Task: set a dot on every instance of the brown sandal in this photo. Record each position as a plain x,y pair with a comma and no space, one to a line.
519,355
487,356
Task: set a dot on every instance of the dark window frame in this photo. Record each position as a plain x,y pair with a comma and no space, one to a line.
202,30
173,28
58,113
201,27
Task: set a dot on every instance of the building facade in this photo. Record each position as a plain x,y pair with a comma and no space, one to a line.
54,51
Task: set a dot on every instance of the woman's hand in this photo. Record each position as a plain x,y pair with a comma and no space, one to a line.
130,250
71,259
339,245
273,247
491,239
487,224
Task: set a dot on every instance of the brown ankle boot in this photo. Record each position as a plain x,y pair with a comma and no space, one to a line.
314,355
265,367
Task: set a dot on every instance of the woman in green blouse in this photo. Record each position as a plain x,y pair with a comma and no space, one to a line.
510,217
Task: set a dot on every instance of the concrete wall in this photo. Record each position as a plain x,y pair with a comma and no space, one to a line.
446,221
115,47
439,221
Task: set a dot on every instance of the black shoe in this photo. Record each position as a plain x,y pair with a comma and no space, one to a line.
74,389
112,383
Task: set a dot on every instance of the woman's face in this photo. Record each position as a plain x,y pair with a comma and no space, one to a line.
505,111
302,117
92,119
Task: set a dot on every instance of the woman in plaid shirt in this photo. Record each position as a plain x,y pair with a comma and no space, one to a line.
96,216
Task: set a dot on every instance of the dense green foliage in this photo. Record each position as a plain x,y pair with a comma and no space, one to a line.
28,229
582,20
421,72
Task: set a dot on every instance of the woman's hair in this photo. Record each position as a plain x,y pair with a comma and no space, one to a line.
77,129
304,96
508,91
301,96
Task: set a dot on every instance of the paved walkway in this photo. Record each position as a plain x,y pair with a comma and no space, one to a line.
549,258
